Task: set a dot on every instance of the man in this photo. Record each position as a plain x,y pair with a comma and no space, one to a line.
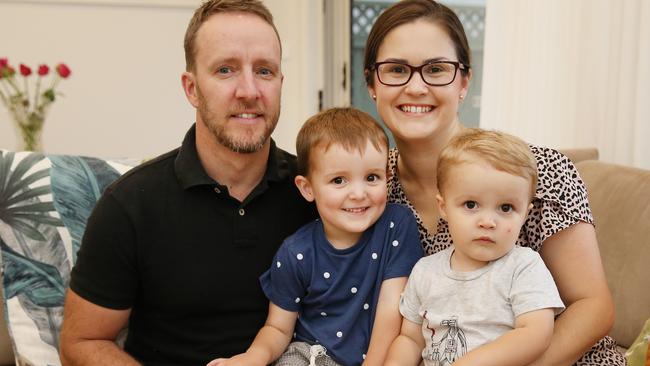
175,247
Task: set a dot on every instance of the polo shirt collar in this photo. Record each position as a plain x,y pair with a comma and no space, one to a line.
190,172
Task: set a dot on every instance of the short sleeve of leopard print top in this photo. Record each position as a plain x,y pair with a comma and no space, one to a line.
560,201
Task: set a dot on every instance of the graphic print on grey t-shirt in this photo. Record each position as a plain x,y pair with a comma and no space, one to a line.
448,345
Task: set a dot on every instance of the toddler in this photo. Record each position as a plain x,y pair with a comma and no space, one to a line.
483,300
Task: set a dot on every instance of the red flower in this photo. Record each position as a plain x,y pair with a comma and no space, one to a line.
4,63
25,70
43,70
63,70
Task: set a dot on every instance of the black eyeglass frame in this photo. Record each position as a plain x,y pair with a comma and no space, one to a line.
418,69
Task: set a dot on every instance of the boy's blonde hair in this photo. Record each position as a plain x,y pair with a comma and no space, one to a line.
502,151
349,127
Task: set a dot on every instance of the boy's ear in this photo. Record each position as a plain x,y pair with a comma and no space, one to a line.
441,206
304,187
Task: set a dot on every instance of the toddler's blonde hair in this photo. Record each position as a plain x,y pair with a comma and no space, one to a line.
502,151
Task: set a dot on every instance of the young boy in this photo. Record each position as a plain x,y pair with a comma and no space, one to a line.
482,301
334,285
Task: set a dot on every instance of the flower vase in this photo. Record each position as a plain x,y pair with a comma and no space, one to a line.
30,128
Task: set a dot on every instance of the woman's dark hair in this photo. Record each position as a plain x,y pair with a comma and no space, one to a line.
407,11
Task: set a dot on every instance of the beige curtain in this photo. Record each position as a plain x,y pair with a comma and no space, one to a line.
569,74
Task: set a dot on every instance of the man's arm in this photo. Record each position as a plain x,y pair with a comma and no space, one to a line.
519,346
407,347
573,258
387,321
88,334
270,342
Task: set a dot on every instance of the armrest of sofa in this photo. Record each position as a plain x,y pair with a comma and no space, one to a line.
620,201
6,351
580,154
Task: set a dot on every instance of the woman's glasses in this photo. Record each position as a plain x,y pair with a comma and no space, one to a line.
438,73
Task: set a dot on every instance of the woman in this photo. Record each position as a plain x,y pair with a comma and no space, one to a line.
418,70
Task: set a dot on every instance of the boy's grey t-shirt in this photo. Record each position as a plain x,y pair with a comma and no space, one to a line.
460,311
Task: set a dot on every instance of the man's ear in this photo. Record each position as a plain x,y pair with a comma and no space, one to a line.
304,187
441,206
189,87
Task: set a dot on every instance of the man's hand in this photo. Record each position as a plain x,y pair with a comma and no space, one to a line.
242,359
271,341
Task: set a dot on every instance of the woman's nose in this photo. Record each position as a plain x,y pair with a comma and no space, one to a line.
416,85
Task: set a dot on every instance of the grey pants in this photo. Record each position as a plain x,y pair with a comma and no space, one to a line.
304,354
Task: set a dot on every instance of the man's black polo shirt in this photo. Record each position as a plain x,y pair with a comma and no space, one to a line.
168,242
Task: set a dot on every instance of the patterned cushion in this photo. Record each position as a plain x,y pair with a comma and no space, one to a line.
45,201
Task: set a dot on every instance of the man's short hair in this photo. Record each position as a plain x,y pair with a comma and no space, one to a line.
349,127
211,7
502,151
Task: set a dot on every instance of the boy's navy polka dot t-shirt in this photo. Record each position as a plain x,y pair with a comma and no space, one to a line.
335,291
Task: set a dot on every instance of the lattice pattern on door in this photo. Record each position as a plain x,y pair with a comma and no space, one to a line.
364,14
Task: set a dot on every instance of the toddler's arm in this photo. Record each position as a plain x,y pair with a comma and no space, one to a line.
270,342
387,320
407,347
518,347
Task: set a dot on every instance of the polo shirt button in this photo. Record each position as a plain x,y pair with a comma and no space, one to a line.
242,212
217,190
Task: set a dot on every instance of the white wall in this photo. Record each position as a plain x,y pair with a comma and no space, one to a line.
124,98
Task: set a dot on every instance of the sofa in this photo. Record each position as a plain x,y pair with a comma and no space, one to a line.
65,188
45,201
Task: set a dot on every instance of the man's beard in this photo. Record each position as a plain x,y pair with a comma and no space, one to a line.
237,144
